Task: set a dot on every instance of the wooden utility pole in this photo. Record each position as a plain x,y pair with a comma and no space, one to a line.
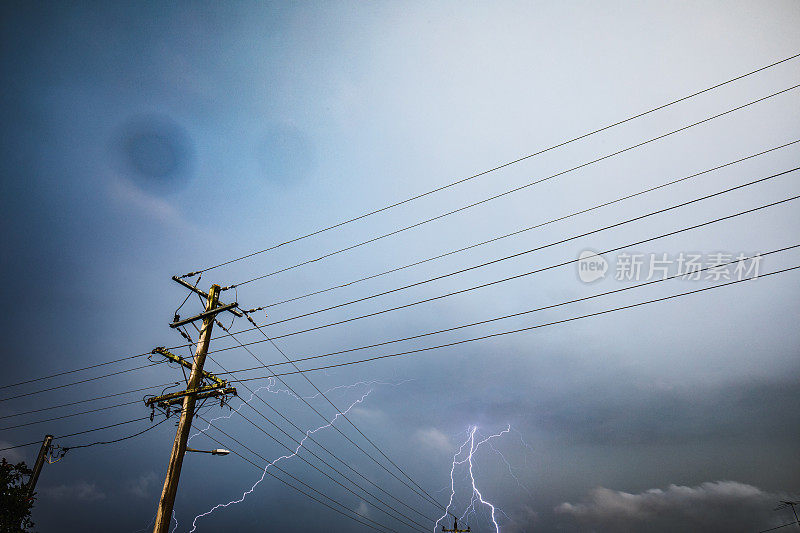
789,503
37,467
167,501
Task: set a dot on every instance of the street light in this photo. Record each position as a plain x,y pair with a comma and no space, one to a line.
218,451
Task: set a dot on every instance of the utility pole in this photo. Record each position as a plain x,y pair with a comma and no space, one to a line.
37,468
455,526
789,503
167,501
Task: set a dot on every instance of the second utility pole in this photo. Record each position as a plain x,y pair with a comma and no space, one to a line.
167,501
37,468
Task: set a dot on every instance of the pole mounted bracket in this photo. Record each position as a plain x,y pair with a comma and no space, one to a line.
199,393
455,526
204,314
200,396
205,295
183,362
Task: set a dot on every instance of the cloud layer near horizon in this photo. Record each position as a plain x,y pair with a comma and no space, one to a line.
724,506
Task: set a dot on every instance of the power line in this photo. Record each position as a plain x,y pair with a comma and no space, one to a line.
21,445
345,477
266,471
517,276
307,435
520,231
503,317
400,268
339,483
103,427
778,527
553,147
529,328
99,377
494,239
362,450
67,448
339,412
511,191
429,497
70,415
79,382
78,433
73,371
537,248
430,299
427,260
89,400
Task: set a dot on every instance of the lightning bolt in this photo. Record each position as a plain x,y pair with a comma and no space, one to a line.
266,387
308,433
508,465
465,456
271,383
339,387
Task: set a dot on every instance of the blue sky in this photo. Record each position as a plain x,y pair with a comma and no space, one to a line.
142,141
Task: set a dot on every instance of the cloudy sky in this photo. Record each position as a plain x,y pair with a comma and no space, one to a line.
143,140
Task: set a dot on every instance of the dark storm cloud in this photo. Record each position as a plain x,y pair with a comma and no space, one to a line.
721,506
645,417
619,413
271,120
576,399
35,223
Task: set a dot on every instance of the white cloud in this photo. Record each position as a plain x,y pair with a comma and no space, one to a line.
82,491
362,508
711,506
144,485
367,413
435,439
522,520
146,204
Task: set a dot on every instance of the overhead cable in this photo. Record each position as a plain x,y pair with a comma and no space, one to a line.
535,249
512,315
498,167
510,191
529,328
524,274
523,230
